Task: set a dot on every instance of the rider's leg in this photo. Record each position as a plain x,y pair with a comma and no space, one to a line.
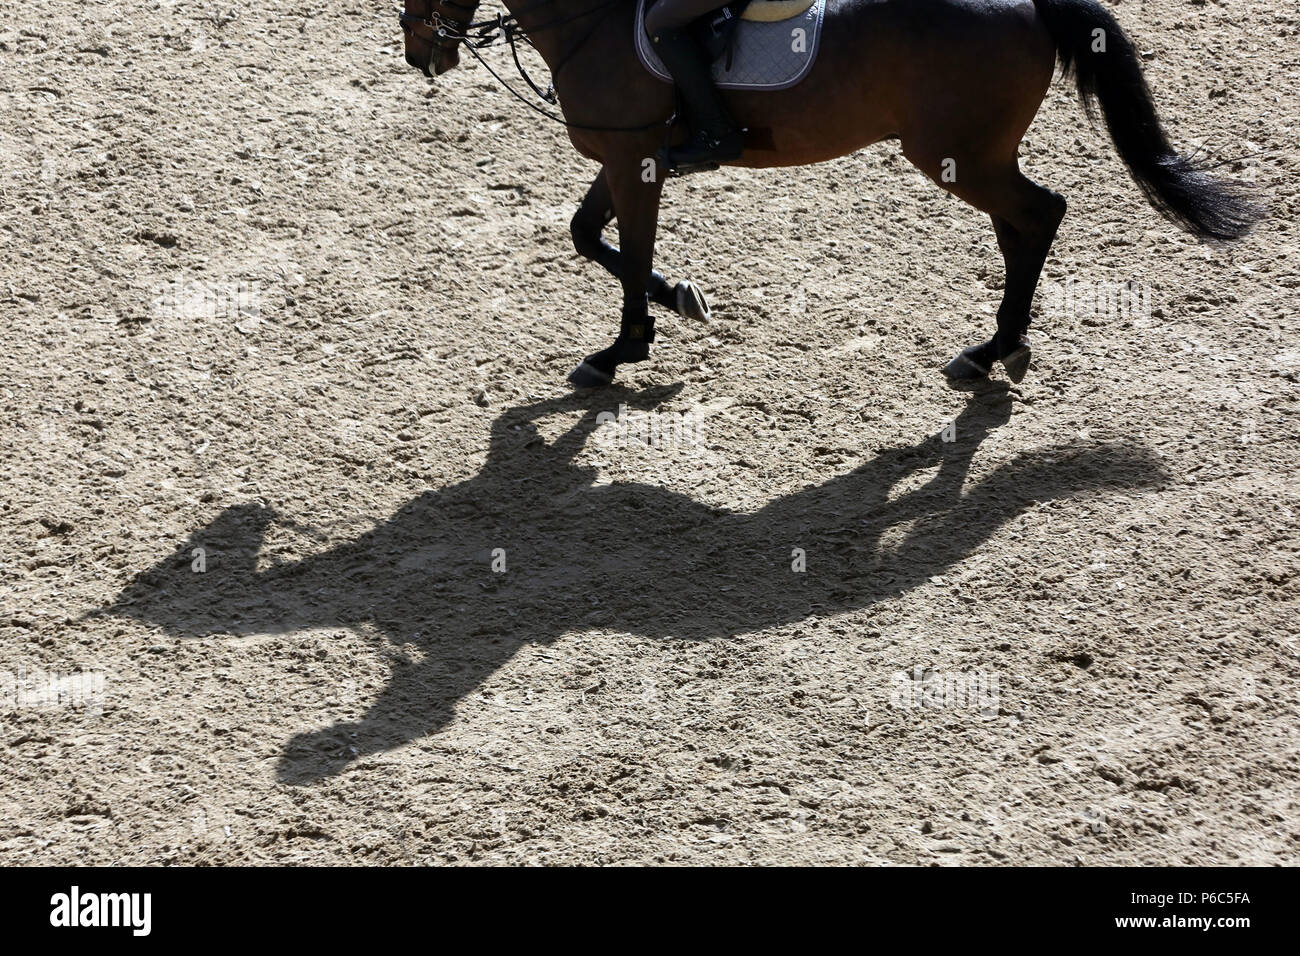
715,137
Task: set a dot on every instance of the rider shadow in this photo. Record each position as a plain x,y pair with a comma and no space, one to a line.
630,557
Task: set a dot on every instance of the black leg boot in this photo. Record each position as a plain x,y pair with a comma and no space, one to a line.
715,138
635,334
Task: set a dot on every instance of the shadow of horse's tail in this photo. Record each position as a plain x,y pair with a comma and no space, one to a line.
1031,479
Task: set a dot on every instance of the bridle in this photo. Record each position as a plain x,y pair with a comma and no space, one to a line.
449,33
444,31
435,21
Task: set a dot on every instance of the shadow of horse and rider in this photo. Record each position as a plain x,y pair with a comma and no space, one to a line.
578,555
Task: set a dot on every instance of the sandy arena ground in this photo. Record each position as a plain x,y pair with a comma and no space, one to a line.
287,329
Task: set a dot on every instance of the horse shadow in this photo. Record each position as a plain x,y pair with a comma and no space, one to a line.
580,555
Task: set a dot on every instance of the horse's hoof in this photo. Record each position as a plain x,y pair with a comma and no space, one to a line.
588,376
966,370
690,302
1017,363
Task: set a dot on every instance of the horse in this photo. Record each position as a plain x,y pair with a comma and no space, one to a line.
956,82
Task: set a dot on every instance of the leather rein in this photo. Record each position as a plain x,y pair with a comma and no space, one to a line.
477,35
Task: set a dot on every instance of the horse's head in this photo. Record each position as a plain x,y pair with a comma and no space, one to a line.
433,30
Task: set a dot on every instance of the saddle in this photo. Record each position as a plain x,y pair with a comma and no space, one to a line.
718,29
774,11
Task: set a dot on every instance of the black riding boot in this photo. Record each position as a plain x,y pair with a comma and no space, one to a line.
714,136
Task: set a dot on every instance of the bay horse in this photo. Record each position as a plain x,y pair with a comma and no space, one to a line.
957,82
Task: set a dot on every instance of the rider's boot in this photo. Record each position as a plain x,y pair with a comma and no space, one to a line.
715,138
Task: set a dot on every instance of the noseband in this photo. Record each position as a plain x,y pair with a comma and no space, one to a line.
440,26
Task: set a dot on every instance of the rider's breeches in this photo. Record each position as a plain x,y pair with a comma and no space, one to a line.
675,14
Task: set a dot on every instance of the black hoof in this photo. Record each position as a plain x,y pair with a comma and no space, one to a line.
588,376
967,368
690,302
1017,363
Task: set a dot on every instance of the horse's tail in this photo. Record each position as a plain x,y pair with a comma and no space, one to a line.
1106,66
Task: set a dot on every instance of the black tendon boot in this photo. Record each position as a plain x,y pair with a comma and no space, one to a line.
635,334
714,136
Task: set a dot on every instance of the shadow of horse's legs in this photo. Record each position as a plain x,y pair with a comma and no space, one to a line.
419,699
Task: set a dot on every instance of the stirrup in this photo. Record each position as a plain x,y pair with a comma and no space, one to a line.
675,170
706,164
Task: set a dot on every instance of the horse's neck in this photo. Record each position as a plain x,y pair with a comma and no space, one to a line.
561,21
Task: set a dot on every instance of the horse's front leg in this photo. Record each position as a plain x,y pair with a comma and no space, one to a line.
633,190
587,226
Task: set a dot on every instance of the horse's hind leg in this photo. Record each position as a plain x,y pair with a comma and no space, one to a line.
1025,218
1024,250
589,222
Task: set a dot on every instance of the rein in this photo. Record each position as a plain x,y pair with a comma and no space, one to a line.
478,35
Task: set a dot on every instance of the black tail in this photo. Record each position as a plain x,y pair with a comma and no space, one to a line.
1089,41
